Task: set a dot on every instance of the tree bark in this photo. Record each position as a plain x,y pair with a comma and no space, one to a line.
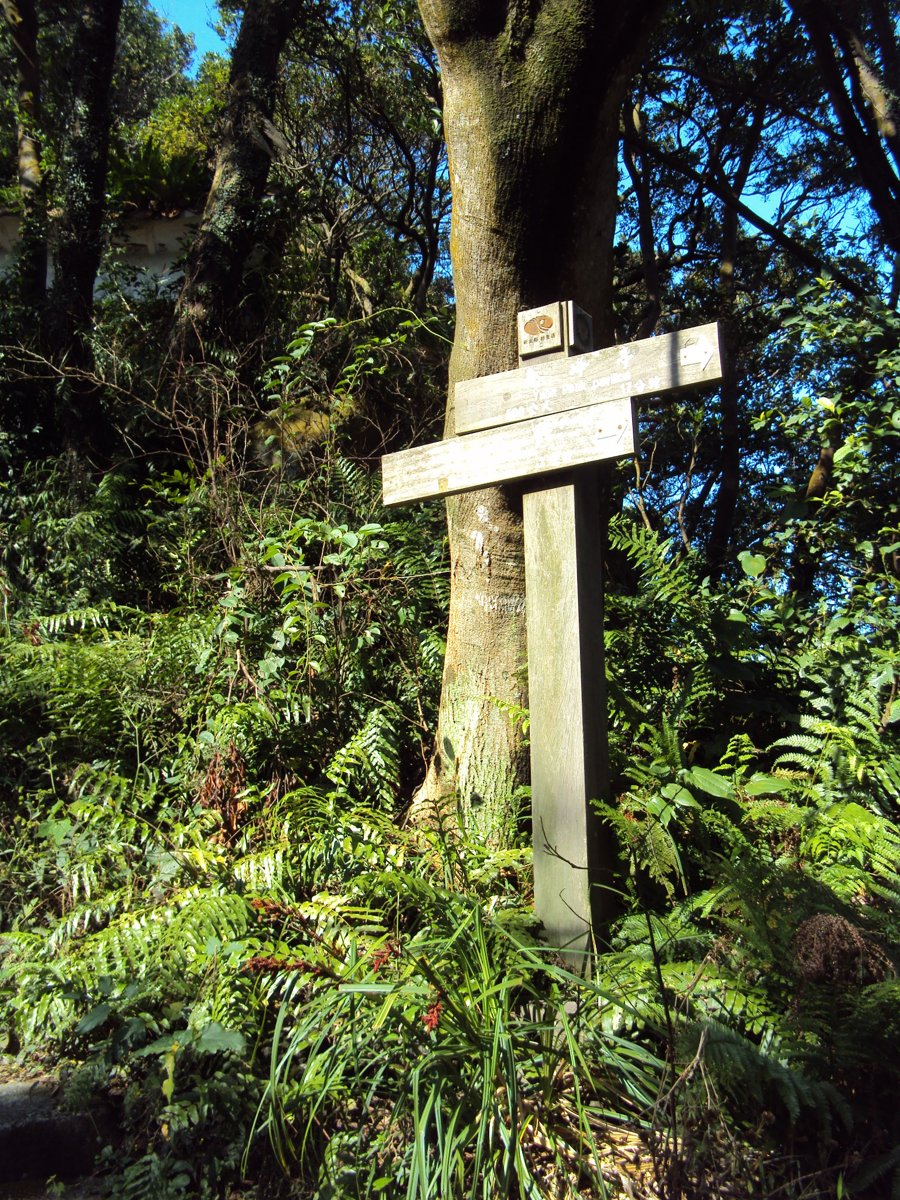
79,228
213,286
804,561
640,181
726,503
856,117
531,101
82,170
21,17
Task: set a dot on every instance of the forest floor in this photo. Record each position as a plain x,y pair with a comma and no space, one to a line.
46,1150
41,1141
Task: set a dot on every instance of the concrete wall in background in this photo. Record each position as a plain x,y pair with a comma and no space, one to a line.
150,244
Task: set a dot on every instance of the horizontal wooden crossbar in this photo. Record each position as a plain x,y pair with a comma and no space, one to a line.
667,363
509,452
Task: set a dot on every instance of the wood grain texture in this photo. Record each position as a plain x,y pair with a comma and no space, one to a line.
552,443
567,706
667,363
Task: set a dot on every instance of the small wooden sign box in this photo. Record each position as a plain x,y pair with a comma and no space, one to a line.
562,411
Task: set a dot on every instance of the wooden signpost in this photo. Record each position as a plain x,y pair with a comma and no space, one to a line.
547,424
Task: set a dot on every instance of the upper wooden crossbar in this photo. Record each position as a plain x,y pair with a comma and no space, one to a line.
668,363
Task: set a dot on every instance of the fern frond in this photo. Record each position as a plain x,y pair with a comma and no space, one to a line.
747,1072
369,763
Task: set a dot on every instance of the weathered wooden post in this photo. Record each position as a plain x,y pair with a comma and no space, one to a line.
547,424
574,857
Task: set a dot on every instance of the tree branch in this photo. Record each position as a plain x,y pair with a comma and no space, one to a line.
720,189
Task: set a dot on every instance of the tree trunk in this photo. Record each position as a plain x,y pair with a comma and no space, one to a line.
32,255
726,503
531,104
640,182
855,114
82,203
213,285
805,561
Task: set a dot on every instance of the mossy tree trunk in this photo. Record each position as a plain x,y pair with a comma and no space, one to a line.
532,92
213,286
79,226
21,17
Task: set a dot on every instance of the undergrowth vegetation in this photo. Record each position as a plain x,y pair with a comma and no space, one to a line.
218,685
213,916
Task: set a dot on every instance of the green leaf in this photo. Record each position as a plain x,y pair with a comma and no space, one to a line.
678,795
751,564
711,783
97,1016
169,1043
763,785
215,1038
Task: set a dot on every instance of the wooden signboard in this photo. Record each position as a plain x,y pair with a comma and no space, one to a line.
558,415
553,443
667,363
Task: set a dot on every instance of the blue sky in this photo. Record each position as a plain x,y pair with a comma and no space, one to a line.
196,17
